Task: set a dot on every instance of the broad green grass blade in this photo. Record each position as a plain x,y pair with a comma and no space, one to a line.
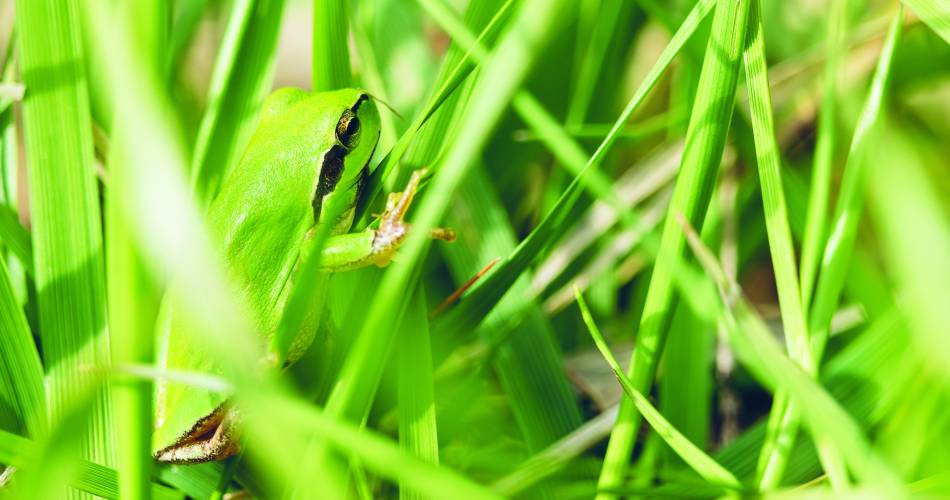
780,239
133,297
754,345
844,226
67,239
694,456
20,369
705,141
242,77
825,144
935,13
417,423
535,23
15,237
489,290
331,53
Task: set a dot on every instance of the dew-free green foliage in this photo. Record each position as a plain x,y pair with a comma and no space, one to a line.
775,271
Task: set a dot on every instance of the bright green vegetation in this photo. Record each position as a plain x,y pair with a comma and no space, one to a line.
718,234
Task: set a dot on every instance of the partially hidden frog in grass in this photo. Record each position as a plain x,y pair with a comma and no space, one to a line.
308,147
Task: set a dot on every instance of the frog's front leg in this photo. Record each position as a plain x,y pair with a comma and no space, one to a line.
378,246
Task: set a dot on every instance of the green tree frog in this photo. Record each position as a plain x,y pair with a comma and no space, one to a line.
307,147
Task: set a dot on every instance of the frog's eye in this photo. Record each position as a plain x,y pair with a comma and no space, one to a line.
348,129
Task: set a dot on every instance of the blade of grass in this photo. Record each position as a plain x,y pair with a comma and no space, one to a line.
817,214
775,451
133,297
242,77
65,213
20,368
844,226
935,13
331,53
694,456
705,141
417,423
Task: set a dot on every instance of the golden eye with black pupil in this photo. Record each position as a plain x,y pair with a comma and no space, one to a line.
348,130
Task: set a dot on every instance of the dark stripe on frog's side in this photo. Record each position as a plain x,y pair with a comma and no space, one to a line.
332,168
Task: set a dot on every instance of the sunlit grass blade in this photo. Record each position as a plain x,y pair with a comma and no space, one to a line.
417,423
705,140
699,461
133,296
331,55
67,239
936,13
780,239
20,369
242,77
817,215
844,223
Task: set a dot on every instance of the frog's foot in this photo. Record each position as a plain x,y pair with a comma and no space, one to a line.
213,438
393,228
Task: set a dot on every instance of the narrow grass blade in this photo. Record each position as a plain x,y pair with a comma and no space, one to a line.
20,369
705,141
844,226
699,461
242,77
67,237
779,235
331,53
417,423
15,237
133,297
817,215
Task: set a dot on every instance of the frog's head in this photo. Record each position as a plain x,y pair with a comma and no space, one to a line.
344,125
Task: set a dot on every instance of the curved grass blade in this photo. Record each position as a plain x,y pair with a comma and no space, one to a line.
935,13
698,460
15,237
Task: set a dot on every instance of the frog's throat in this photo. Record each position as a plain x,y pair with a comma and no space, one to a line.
211,438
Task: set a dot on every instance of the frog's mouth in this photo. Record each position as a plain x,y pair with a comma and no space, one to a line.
212,438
